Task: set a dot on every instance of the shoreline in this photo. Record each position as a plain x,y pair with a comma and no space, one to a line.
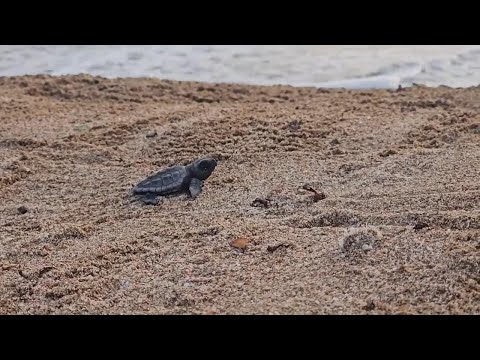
393,228
341,84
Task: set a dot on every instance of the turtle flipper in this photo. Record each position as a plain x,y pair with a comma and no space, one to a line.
195,187
150,199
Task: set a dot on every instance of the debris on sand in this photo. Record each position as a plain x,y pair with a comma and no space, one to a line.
272,248
420,225
317,195
369,306
258,202
387,153
22,209
240,244
360,239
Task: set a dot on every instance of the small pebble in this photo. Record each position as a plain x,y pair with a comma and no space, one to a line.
22,209
420,225
151,134
366,247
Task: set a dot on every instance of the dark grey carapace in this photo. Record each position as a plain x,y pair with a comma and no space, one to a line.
176,179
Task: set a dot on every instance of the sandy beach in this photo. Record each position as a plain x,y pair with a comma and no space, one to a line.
323,201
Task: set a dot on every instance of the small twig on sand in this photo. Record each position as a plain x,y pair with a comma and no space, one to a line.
317,196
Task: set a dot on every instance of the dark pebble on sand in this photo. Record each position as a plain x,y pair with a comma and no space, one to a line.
22,209
420,225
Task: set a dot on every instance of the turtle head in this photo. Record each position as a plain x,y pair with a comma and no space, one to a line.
203,168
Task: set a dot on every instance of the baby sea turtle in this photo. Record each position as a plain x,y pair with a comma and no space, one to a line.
176,179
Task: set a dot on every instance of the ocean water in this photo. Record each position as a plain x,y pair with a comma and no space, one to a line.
349,66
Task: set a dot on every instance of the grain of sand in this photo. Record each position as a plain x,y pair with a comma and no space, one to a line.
396,230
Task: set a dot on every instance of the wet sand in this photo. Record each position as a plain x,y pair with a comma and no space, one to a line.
347,202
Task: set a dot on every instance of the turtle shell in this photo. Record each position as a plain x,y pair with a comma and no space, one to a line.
166,181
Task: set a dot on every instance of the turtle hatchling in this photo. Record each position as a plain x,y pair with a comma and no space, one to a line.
174,180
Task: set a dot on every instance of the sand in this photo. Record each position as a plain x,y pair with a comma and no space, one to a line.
339,202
